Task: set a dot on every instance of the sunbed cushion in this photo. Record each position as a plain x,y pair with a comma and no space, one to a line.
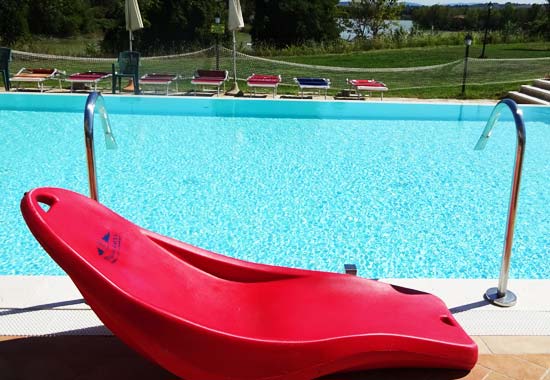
312,81
32,74
210,75
158,78
41,71
267,80
366,83
90,75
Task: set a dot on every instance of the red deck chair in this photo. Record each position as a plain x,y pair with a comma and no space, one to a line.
369,85
265,81
210,78
89,77
160,79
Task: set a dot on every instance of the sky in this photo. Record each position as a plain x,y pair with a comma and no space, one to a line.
446,2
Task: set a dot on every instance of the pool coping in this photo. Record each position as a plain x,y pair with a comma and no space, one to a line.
52,305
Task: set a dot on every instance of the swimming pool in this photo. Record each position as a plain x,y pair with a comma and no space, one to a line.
396,189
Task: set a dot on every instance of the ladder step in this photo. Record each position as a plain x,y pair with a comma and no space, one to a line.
536,92
526,99
542,83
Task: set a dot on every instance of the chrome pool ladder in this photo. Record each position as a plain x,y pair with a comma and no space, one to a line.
501,296
95,99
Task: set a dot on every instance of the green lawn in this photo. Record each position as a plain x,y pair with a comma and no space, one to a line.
425,56
487,78
75,46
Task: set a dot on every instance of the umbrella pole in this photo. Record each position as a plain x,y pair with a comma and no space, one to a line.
235,88
131,38
130,85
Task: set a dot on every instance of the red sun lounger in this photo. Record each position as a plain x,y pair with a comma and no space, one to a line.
163,79
38,76
313,83
369,85
204,316
90,77
212,78
265,81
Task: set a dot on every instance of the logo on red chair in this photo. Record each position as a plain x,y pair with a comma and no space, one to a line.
108,247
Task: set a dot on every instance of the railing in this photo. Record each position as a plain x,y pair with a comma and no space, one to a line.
501,296
95,99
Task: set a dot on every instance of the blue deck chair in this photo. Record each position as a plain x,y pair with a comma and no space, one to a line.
126,66
313,83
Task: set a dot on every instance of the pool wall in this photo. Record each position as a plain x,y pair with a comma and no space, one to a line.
226,107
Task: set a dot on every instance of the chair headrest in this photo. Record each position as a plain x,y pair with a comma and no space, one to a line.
211,73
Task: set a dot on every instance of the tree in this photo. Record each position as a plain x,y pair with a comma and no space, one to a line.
169,25
289,22
59,18
180,22
14,25
248,8
538,23
372,17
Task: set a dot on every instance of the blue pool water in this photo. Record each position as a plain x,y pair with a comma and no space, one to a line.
319,186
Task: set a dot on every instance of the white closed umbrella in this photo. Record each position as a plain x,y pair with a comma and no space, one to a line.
133,18
234,23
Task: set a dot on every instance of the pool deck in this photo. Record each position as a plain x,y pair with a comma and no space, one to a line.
283,97
44,317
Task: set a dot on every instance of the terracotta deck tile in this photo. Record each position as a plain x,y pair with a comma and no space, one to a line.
477,373
5,338
481,345
498,376
511,366
542,360
514,344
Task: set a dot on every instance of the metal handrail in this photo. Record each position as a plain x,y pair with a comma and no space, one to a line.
501,296
95,99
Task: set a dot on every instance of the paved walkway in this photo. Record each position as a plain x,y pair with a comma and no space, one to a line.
387,98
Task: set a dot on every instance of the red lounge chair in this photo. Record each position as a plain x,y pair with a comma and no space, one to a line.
38,76
265,81
159,79
90,77
204,316
369,85
213,78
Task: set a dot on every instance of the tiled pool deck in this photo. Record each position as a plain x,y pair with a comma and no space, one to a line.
48,332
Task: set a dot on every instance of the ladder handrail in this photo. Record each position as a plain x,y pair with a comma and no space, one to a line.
95,99
501,296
